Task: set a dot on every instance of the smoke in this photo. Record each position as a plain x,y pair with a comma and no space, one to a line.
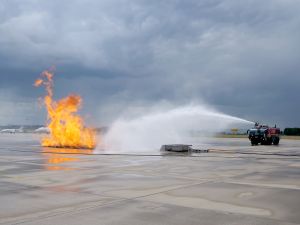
173,126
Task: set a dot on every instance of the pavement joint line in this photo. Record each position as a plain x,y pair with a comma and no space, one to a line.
47,214
172,189
67,210
205,155
225,151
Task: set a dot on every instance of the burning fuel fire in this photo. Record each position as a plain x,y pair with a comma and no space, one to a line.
67,129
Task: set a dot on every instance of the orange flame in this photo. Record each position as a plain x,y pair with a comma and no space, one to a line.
67,128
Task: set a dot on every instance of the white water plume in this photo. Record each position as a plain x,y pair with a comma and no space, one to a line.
150,131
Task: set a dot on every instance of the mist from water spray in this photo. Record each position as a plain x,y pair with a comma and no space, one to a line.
174,126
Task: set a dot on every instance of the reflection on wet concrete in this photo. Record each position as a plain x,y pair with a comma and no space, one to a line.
58,158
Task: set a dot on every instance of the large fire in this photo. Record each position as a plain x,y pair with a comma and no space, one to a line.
66,127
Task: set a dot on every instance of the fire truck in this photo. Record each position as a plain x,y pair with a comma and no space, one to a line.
264,135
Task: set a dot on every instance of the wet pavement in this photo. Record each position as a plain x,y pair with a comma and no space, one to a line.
234,183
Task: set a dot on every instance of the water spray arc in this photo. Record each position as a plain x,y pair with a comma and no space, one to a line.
174,126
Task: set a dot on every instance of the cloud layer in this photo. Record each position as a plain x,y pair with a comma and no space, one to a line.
242,57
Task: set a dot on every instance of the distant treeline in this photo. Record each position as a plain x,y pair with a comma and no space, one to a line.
291,131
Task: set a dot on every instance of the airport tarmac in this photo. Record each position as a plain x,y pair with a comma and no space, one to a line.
233,184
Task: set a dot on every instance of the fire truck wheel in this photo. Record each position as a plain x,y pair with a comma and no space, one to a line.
275,141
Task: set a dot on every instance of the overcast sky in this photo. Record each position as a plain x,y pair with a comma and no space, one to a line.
240,57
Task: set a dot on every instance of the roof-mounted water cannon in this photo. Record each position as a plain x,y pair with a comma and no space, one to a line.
257,125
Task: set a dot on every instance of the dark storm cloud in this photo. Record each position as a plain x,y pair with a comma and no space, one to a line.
240,56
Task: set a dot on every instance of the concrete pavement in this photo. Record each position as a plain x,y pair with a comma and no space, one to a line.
234,183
